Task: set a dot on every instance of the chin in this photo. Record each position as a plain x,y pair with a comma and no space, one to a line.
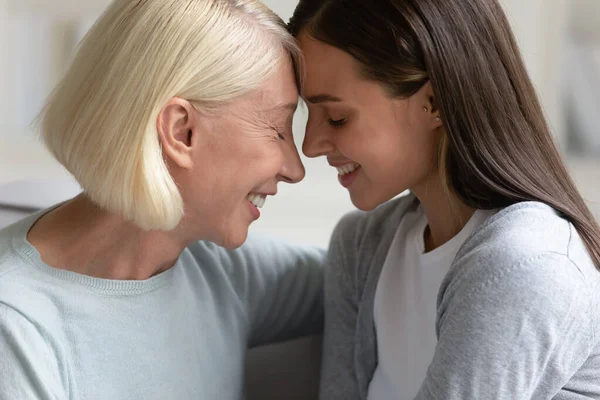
364,204
367,202
233,240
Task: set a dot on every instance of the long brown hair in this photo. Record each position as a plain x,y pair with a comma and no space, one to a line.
498,149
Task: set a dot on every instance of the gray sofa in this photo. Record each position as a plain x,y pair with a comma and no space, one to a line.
284,371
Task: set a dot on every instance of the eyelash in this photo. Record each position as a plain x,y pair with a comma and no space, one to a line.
336,123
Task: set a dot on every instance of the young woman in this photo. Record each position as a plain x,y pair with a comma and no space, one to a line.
483,282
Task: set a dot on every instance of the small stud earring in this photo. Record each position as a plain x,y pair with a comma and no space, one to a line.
425,109
437,119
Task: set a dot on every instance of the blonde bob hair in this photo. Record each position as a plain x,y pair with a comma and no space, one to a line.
100,122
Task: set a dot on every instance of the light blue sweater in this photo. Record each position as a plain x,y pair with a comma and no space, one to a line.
518,314
180,335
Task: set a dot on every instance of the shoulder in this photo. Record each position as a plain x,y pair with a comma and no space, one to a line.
30,297
524,254
21,287
522,234
519,231
31,308
35,357
12,240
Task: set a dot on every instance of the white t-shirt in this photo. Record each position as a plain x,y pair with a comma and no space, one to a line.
405,305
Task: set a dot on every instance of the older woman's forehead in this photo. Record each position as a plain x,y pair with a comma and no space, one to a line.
260,109
279,111
279,94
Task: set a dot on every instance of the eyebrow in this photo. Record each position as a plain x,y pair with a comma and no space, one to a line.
322,98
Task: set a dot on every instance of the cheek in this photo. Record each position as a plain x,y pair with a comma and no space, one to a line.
275,160
264,163
355,141
392,150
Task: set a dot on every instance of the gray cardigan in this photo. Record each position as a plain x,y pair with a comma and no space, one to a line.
518,314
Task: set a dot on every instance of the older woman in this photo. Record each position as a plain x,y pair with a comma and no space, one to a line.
175,118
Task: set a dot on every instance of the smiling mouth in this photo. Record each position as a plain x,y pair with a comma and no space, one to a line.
347,169
258,200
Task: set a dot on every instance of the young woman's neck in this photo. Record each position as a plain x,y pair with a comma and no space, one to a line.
80,237
446,213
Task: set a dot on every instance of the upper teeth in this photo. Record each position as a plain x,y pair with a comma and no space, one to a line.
346,169
257,199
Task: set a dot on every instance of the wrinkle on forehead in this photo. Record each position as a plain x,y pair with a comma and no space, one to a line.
270,106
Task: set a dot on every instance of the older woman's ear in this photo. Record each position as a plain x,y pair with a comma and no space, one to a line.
175,126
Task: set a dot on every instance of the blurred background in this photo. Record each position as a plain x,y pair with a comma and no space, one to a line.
560,41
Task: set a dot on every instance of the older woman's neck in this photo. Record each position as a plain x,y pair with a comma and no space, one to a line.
81,238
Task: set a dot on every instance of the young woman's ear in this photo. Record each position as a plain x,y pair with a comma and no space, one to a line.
175,126
435,114
431,107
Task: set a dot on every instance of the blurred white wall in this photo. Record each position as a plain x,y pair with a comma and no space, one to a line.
37,35
585,19
540,27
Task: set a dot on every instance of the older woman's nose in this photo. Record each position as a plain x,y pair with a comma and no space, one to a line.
292,170
316,142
